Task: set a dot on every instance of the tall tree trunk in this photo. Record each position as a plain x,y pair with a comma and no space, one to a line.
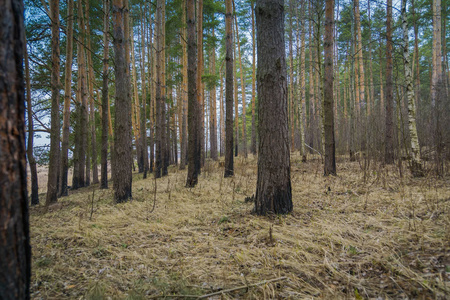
222,115
291,76
212,103
416,164
164,136
312,112
302,80
253,146
244,103
235,96
328,106
67,98
359,52
30,156
105,98
437,83
194,155
389,135
273,187
53,168
200,96
91,99
122,155
416,64
159,153
152,91
229,166
371,94
15,250
136,106
143,143
183,135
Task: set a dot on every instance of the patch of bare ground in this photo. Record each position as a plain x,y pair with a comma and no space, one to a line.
360,235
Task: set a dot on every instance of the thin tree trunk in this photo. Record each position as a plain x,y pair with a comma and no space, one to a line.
105,98
200,94
229,167
67,98
30,156
244,103
222,116
302,81
235,95
291,76
165,137
253,146
15,250
212,103
159,153
183,135
273,188
122,176
53,168
328,106
194,155
144,147
389,136
91,100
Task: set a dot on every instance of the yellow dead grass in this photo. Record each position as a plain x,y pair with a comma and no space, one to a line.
388,237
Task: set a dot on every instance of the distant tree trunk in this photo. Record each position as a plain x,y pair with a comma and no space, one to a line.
30,156
105,98
330,147
194,155
235,97
273,188
437,84
67,98
389,137
53,168
229,168
91,99
212,103
416,54
312,112
183,135
152,91
77,133
291,75
165,137
122,176
222,115
144,147
359,52
15,250
200,95
244,103
302,81
159,153
253,146
416,164
371,94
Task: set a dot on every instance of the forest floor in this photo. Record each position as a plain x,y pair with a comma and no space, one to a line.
360,235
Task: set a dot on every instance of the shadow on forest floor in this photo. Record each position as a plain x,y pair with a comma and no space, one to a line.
349,236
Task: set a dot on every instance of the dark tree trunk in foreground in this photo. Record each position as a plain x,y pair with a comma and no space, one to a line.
122,130
15,251
328,101
389,135
229,168
52,184
105,100
194,156
31,159
273,188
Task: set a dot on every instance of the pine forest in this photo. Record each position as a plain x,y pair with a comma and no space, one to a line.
234,149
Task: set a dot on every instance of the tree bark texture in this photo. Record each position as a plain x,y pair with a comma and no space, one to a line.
194,155
328,106
52,183
273,188
253,145
67,98
105,99
122,176
389,130
229,167
30,156
15,251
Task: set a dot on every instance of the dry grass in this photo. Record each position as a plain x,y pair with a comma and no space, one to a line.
351,236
